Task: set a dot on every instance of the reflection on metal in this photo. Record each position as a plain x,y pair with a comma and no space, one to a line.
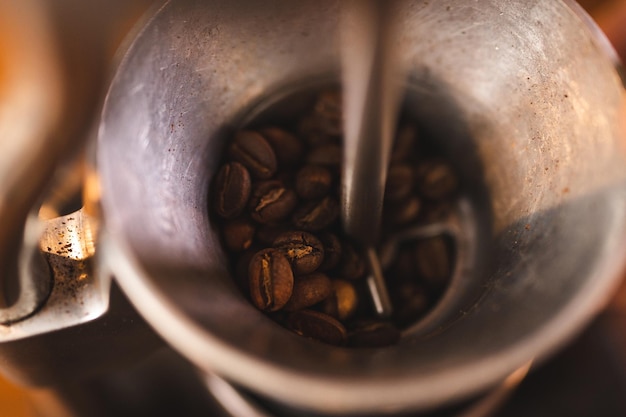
377,286
370,102
54,62
459,224
78,295
233,401
495,398
30,282
71,236
236,403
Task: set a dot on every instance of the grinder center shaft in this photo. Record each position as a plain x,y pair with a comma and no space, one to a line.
370,111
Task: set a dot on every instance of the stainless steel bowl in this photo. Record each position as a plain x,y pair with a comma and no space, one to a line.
522,96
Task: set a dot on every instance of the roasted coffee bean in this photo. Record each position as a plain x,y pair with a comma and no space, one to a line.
238,234
427,261
436,211
254,152
399,182
329,124
332,250
316,215
326,118
345,297
328,155
329,105
328,306
232,190
404,145
271,280
410,301
436,180
373,334
309,290
271,202
311,128
403,212
313,182
288,251
287,147
403,268
352,265
304,251
434,261
316,325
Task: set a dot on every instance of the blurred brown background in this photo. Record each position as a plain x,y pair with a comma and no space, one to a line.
587,379
611,17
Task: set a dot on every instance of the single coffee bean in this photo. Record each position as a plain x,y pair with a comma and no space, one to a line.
373,334
271,202
255,153
328,306
271,280
313,182
404,145
329,111
232,190
316,325
304,251
329,105
402,213
436,180
287,147
410,300
403,268
312,130
328,155
433,259
399,182
332,251
329,124
326,118
436,211
238,234
352,265
316,215
346,297
309,290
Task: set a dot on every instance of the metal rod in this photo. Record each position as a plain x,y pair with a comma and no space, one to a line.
377,286
370,111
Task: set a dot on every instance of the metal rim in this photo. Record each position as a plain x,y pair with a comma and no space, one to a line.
452,384
401,393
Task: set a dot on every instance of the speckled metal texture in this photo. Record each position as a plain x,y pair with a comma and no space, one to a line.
519,93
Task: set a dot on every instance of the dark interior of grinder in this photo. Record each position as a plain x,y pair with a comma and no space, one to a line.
276,200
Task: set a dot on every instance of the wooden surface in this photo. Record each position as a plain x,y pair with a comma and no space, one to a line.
13,401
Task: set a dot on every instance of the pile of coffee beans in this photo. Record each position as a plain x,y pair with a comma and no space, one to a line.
277,196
